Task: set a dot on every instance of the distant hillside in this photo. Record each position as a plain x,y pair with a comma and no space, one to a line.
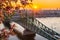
48,13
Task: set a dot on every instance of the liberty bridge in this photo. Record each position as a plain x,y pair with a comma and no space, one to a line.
32,24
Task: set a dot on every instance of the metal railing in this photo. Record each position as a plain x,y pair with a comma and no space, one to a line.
38,26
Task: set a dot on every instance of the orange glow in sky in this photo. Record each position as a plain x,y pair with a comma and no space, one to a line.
35,7
47,3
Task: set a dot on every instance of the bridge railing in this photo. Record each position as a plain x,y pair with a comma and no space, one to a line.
42,26
31,26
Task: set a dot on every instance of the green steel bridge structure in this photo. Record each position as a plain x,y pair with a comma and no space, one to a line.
36,26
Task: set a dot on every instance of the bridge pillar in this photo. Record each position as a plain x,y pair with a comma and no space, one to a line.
27,35
22,32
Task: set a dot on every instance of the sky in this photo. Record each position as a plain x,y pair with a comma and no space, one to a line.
47,3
